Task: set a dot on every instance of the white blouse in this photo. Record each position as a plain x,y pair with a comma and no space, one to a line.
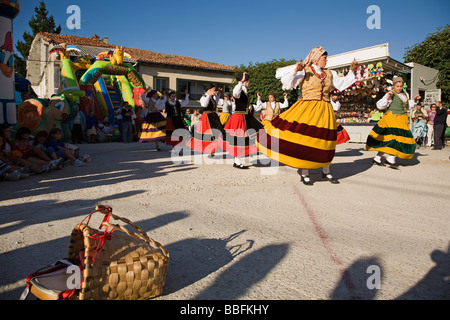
263,105
227,105
238,89
336,105
204,100
384,102
291,79
159,104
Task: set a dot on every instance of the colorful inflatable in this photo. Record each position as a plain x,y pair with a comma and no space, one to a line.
41,114
110,82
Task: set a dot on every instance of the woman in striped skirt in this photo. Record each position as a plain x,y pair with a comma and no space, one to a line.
239,139
209,127
304,136
154,127
391,135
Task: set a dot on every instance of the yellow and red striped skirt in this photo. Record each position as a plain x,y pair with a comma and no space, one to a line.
304,136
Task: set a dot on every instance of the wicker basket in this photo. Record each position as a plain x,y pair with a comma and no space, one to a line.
124,265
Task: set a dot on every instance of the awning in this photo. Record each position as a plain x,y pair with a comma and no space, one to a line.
366,56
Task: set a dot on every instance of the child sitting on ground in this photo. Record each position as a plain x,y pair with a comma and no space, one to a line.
56,145
22,148
8,171
38,144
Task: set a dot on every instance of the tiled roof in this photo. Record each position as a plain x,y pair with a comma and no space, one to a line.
138,54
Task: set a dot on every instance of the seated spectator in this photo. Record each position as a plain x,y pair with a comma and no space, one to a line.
39,144
24,149
56,145
7,171
13,158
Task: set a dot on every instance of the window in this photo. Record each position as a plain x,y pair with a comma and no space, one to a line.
161,84
196,88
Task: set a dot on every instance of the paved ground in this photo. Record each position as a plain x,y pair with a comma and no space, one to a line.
253,234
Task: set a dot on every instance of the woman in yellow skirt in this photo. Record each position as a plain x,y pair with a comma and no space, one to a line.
391,135
154,127
227,108
304,136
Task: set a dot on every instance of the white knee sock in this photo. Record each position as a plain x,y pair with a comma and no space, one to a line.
237,161
390,158
378,156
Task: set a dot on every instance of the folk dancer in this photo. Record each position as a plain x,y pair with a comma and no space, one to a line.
272,107
239,139
209,128
154,127
304,136
175,117
228,108
391,135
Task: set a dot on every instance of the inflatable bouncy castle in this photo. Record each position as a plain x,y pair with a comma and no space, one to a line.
105,82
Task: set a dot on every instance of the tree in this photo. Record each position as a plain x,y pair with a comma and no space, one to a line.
40,22
434,52
262,79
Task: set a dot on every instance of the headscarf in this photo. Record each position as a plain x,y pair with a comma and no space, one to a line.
397,79
314,56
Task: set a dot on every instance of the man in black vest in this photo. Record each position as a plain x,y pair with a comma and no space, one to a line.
127,132
440,124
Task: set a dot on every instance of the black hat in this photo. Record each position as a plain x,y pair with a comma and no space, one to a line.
151,93
209,86
240,75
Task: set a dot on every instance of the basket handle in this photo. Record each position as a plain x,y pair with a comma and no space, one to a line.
142,235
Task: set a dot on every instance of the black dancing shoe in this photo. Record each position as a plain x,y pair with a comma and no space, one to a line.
330,178
381,164
306,180
239,166
392,165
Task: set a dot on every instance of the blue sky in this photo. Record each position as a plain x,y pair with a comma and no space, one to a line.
239,32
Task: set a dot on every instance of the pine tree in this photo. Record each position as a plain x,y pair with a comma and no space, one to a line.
40,22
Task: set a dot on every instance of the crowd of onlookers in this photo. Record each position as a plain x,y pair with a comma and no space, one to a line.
26,154
22,153
435,119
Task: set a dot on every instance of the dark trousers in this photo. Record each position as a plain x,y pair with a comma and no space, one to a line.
77,133
439,136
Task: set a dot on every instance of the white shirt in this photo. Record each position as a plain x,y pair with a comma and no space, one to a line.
183,103
336,105
384,102
291,79
226,106
159,104
263,105
238,90
204,100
